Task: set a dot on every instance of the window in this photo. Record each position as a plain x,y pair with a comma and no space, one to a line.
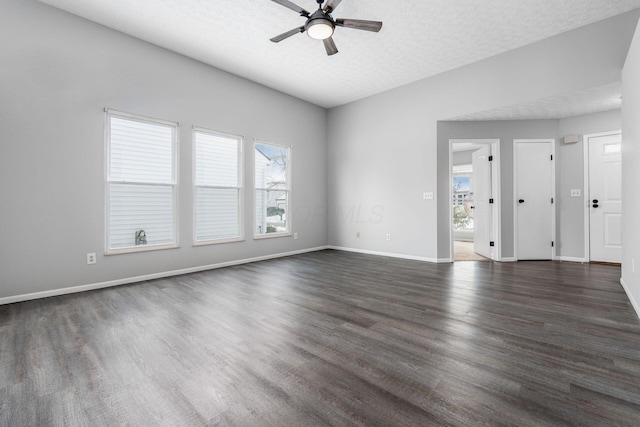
272,186
462,198
141,183
217,187
615,148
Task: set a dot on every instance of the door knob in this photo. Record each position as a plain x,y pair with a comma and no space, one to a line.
472,207
595,200
521,201
595,205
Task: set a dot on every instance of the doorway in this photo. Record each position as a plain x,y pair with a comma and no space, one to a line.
534,199
474,203
603,194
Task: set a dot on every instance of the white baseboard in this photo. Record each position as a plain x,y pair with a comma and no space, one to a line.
128,280
389,254
411,257
634,303
571,259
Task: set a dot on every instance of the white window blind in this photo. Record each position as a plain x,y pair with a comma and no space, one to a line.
217,187
272,186
141,183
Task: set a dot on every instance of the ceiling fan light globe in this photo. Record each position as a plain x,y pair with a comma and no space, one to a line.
320,29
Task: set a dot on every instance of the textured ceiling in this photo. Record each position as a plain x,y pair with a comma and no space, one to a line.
594,100
419,38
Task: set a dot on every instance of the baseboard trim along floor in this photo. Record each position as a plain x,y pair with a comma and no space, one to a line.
330,338
136,279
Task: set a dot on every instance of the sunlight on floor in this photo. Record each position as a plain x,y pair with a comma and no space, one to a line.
463,251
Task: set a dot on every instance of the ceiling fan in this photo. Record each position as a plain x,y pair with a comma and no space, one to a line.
320,24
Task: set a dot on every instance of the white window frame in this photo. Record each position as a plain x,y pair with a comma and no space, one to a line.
108,181
240,187
288,232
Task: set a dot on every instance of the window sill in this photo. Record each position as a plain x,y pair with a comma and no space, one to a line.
272,235
218,242
135,249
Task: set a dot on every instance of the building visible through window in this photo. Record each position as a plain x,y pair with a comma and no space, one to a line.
272,189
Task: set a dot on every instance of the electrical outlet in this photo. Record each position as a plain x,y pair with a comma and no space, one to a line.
427,196
295,236
388,236
357,234
91,258
576,192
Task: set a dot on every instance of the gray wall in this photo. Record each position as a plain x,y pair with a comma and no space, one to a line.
570,175
569,171
631,172
383,151
368,162
506,132
57,73
462,157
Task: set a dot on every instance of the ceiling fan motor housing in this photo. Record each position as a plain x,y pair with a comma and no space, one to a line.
319,26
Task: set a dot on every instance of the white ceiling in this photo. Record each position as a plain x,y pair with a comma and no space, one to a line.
465,146
418,39
603,98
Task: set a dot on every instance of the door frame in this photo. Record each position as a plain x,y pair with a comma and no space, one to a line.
586,189
553,194
496,218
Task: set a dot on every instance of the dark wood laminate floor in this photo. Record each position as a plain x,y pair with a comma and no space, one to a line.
330,338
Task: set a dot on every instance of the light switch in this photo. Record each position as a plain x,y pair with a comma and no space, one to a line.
427,196
576,192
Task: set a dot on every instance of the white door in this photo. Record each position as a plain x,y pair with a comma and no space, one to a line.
605,198
481,188
533,198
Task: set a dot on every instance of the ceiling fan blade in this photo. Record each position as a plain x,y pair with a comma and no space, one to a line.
358,24
288,34
292,6
330,46
331,5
